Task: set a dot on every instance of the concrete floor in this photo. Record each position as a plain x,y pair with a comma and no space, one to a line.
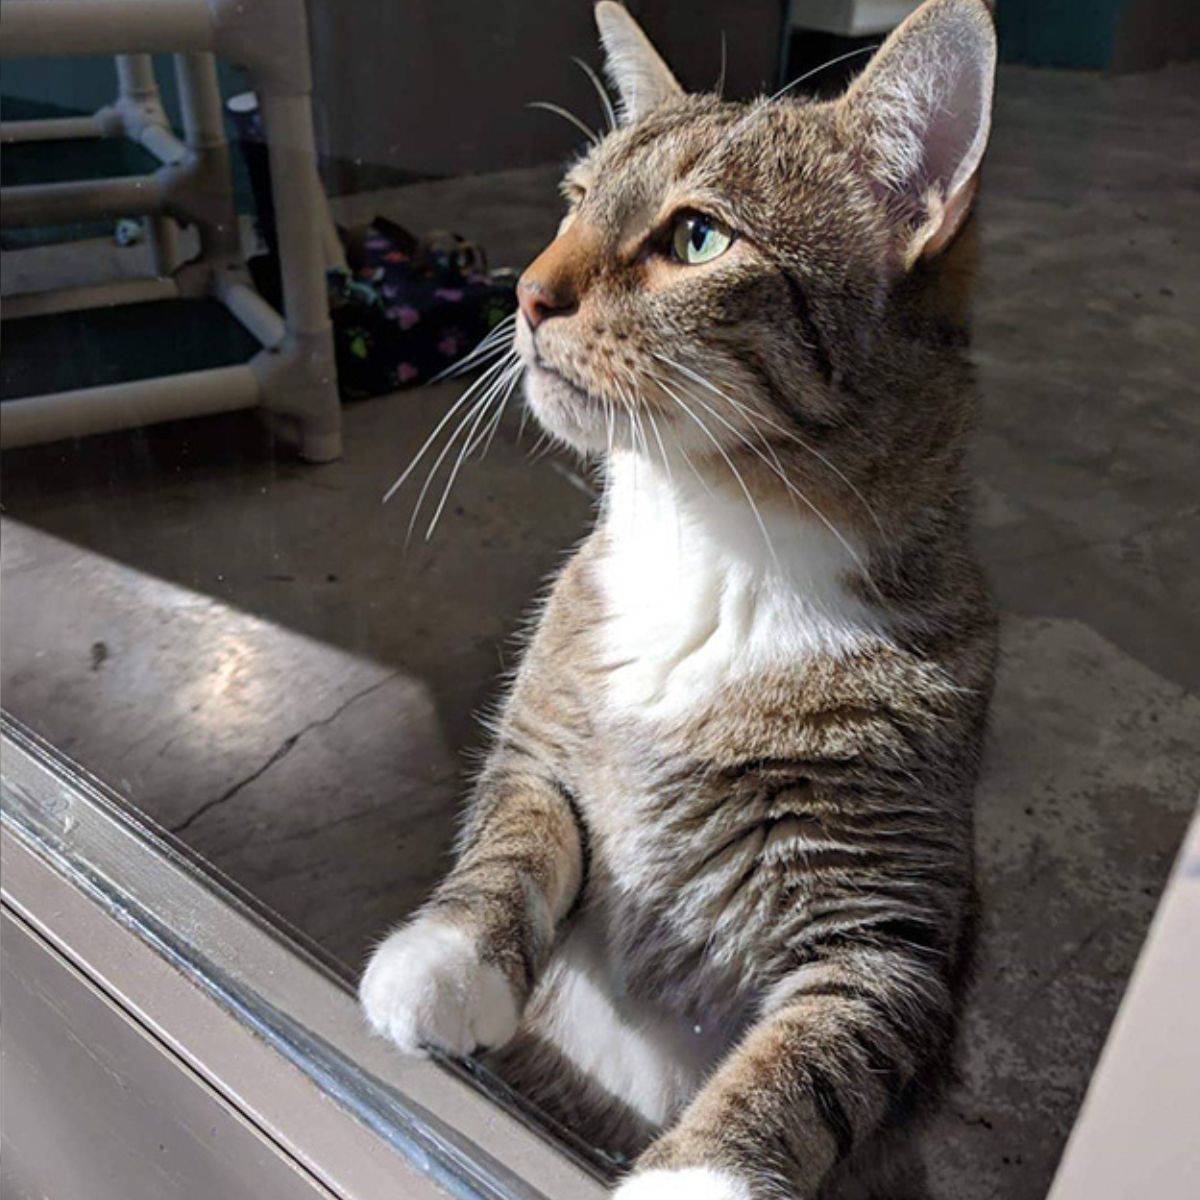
244,646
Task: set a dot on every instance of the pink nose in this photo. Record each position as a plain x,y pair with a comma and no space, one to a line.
538,301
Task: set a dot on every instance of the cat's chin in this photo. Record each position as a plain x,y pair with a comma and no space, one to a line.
566,412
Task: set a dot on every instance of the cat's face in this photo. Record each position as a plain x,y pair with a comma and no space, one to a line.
721,265
711,255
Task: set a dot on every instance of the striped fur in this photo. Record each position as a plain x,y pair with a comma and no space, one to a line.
720,855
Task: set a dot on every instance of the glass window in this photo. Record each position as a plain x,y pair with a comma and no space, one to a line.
278,521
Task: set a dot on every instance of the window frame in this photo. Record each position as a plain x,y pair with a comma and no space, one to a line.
259,1015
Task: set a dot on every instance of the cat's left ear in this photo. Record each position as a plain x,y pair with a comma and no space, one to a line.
920,113
643,81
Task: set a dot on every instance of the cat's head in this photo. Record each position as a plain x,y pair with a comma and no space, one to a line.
725,269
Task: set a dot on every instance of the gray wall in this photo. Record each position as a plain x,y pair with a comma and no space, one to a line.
428,88
423,88
1154,32
1121,35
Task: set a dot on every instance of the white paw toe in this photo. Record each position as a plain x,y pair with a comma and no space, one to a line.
688,1183
426,986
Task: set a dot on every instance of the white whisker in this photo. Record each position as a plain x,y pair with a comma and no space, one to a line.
567,115
762,525
662,449
475,410
540,448
474,415
609,113
635,424
759,106
790,434
500,400
777,470
494,424
494,336
446,418
490,343
833,62
468,445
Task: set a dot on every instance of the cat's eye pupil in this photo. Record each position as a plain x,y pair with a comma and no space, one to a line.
696,238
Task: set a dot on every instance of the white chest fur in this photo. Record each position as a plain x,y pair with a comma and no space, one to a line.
699,594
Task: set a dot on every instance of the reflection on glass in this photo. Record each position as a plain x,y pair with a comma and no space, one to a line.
256,273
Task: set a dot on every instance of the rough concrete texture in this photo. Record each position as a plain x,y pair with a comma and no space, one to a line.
244,646
1092,770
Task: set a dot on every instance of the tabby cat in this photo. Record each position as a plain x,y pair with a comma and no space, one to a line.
712,900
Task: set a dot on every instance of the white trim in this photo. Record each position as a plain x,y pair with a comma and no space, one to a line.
262,1022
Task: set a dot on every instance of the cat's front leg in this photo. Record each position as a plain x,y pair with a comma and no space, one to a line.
457,976
828,1065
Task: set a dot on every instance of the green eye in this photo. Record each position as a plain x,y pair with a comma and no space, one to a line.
699,239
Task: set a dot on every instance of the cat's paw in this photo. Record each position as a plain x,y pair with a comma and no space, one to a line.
685,1183
427,986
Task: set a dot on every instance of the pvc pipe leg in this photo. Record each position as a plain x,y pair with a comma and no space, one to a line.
49,129
81,200
164,244
200,98
127,405
316,446
302,382
94,295
205,191
34,27
135,77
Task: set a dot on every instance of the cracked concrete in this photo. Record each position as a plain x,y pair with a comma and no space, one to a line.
280,752
294,692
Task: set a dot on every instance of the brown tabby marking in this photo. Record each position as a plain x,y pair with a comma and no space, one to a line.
721,851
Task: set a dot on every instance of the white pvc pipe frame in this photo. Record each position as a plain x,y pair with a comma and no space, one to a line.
294,374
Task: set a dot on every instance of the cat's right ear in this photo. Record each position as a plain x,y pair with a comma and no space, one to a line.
643,81
920,115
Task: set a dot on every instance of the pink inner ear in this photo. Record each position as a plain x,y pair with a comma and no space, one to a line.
958,205
922,109
954,127
924,100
